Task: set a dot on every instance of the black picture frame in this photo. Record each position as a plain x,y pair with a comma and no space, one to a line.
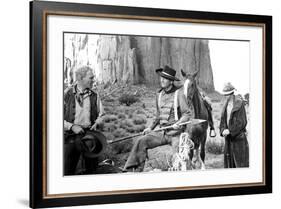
39,10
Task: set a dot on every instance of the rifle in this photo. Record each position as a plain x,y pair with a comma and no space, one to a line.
193,121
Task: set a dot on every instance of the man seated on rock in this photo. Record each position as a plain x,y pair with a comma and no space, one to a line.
82,110
168,99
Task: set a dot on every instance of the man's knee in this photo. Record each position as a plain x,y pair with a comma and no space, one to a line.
142,142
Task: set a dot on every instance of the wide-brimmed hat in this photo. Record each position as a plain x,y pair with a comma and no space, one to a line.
228,89
93,144
168,73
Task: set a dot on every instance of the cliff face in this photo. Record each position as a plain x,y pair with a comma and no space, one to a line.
133,59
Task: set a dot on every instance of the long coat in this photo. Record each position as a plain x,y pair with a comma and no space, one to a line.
236,152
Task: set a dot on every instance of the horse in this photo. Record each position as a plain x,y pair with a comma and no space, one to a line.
202,110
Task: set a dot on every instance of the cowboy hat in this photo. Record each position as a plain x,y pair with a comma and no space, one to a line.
92,145
168,73
228,89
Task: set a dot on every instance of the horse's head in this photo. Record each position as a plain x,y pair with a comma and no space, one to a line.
189,84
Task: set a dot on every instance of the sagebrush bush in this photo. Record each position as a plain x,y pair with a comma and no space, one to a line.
120,132
136,128
127,123
109,100
128,99
121,116
109,118
109,127
215,146
139,119
140,111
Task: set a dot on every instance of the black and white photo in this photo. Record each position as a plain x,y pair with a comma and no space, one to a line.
144,103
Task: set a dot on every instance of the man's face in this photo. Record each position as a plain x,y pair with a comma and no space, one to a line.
88,80
165,83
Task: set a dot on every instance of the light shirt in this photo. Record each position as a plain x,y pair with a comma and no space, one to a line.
82,114
165,103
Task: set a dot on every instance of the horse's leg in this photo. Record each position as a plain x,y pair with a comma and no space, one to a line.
191,153
202,147
211,124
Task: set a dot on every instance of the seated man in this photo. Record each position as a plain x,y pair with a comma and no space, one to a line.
169,98
82,109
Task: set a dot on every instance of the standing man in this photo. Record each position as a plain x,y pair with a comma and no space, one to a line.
82,110
167,100
233,128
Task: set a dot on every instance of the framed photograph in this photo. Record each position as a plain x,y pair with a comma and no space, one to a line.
139,104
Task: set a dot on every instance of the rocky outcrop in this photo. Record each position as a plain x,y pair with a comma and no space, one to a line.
133,59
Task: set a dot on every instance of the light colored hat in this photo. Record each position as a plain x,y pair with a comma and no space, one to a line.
228,89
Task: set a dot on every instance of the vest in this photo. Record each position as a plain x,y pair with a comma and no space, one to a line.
69,106
168,107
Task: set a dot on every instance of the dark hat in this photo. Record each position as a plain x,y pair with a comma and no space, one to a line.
93,144
168,73
228,89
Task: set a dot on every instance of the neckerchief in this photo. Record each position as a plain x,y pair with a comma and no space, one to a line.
80,96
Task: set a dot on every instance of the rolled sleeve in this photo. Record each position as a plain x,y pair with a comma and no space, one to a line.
186,108
67,125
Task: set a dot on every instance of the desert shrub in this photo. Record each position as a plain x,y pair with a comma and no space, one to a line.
136,128
109,100
127,111
109,118
140,111
120,132
127,123
139,119
109,127
121,116
106,109
128,99
215,146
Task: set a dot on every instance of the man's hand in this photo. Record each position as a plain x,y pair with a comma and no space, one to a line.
176,126
225,132
146,131
94,127
77,129
97,122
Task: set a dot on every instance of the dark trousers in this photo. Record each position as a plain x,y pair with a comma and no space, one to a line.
72,156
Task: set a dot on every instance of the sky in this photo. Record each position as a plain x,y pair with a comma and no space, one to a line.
230,62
